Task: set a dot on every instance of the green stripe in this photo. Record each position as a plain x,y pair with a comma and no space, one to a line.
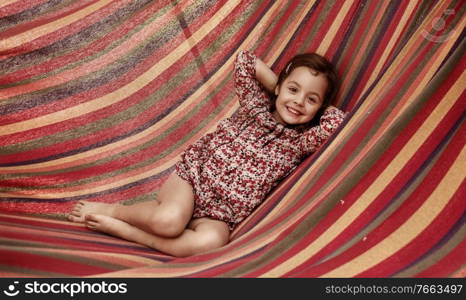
321,18
394,204
109,121
131,151
434,257
356,175
35,12
351,49
74,42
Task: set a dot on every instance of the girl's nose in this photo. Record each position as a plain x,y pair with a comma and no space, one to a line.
299,100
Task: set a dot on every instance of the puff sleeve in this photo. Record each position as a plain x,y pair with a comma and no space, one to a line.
317,135
249,90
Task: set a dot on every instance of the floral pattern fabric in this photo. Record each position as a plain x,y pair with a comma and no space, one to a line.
233,169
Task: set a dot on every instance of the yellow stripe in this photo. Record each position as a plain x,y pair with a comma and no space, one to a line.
83,253
127,90
296,188
33,194
378,185
412,227
235,251
394,37
25,217
393,70
169,118
291,194
7,2
258,29
427,74
39,31
105,100
336,24
288,34
385,83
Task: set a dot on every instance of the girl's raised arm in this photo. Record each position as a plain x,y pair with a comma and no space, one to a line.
252,79
317,135
266,76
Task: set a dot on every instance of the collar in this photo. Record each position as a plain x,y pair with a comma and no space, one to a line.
264,117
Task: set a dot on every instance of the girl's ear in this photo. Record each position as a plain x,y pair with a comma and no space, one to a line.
277,90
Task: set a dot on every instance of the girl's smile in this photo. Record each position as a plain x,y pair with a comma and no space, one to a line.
300,96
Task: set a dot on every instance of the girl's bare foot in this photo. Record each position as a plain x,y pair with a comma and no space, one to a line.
108,225
83,208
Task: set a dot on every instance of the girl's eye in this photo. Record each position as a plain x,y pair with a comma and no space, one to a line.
293,89
312,100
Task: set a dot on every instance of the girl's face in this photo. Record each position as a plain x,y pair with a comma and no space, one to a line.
299,96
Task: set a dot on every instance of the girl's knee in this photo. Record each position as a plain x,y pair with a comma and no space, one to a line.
212,239
169,223
216,239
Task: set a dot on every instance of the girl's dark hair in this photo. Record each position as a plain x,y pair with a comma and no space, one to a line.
319,64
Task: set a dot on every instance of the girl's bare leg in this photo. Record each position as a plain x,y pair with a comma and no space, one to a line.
167,216
200,235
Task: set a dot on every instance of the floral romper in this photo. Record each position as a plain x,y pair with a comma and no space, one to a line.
234,168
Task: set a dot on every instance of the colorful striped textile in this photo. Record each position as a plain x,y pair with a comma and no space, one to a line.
98,98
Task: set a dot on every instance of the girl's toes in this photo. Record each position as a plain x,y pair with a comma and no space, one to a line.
76,212
73,218
92,222
91,218
91,225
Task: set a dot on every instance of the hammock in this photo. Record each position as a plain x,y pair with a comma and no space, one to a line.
98,98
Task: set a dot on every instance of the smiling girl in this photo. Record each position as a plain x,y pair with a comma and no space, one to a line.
226,174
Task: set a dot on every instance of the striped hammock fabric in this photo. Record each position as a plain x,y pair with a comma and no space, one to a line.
98,98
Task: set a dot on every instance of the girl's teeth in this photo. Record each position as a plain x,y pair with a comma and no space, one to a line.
293,111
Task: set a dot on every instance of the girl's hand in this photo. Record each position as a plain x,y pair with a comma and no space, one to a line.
330,107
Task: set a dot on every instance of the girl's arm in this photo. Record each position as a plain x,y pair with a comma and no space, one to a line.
317,135
265,76
253,80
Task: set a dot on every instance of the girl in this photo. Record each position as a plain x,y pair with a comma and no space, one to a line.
226,174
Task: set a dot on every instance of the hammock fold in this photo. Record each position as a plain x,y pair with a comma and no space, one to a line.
98,98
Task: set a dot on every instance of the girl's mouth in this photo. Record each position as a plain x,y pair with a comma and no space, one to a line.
293,111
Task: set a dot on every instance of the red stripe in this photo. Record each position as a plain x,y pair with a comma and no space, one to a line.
223,268
48,264
33,207
99,92
359,35
425,241
328,21
119,195
17,221
448,265
18,6
380,48
102,243
404,212
61,33
264,46
365,182
404,175
340,35
93,94
81,53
